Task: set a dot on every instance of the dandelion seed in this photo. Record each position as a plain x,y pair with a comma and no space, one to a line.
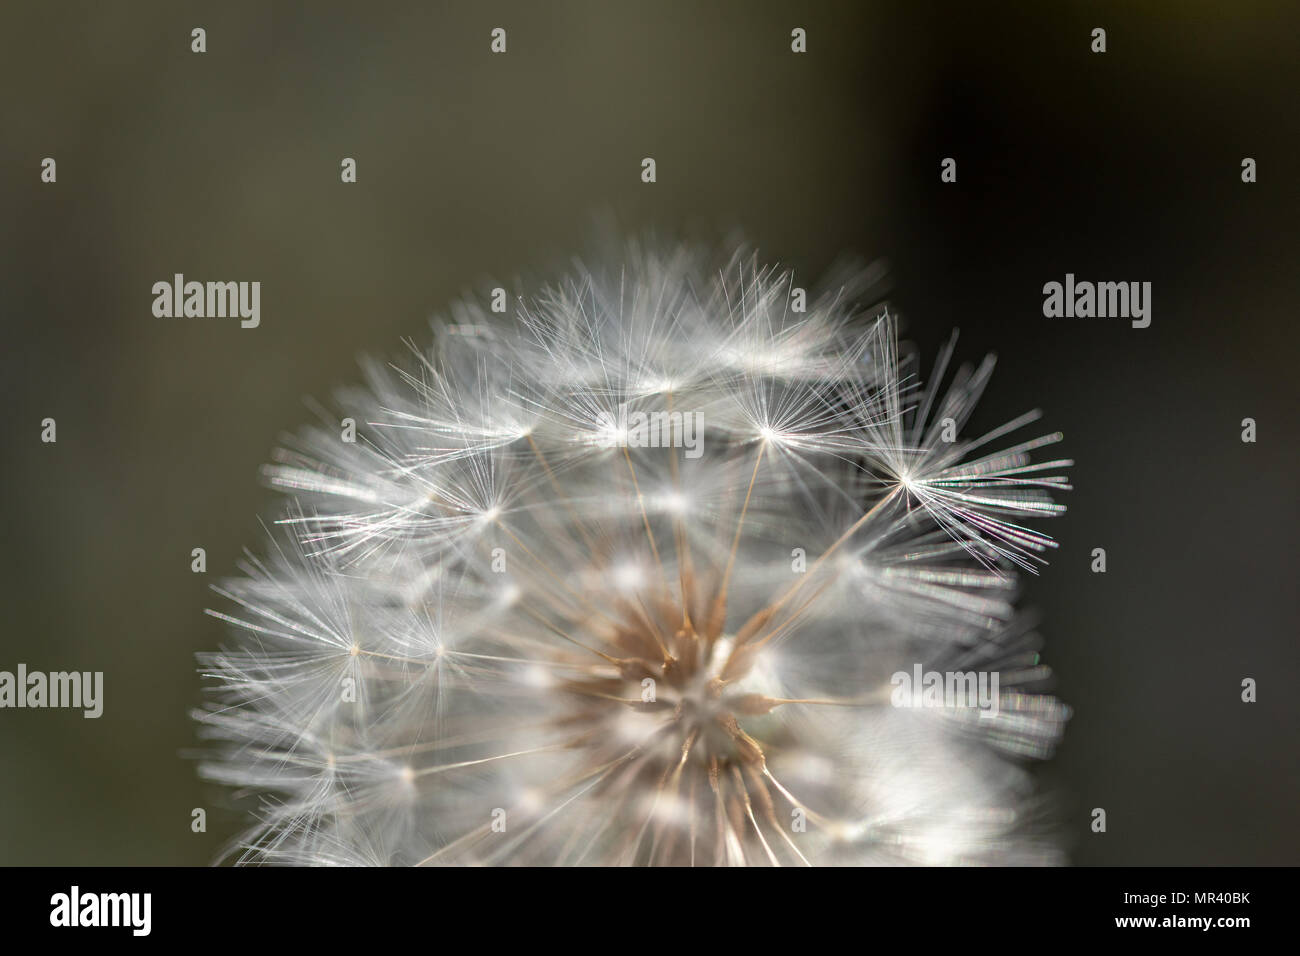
498,630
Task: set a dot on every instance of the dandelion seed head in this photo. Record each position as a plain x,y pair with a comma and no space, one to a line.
527,618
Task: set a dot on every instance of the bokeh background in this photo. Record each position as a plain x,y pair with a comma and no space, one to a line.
1122,166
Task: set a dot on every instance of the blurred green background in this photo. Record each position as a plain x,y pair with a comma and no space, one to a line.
472,166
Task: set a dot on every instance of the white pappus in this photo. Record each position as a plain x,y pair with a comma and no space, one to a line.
517,621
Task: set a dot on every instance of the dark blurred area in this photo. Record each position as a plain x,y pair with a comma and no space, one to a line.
1117,166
